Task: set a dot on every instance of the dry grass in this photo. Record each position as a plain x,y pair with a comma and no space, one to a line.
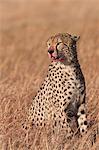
25,26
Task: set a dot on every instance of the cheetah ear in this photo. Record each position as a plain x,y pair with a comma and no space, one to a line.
75,38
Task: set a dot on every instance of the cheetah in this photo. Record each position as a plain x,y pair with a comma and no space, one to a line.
61,97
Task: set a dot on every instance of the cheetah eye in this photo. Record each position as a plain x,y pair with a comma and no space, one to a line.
62,46
59,46
48,43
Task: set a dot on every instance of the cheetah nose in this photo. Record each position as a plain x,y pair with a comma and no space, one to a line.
51,50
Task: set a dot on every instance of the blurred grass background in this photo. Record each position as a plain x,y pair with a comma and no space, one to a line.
25,25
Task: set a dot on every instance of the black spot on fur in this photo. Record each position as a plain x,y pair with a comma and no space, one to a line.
85,122
82,112
54,115
82,130
67,74
55,123
41,114
69,98
65,90
70,93
59,85
64,104
44,92
71,79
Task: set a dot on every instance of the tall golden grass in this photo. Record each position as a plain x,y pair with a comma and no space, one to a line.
25,26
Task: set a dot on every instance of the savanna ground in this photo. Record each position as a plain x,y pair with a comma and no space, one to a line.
25,26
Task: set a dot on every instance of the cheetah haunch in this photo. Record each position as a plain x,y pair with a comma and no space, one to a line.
61,98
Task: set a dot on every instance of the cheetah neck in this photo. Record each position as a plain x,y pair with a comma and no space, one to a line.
73,64
58,64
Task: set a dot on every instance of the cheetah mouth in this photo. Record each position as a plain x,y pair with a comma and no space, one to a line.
56,58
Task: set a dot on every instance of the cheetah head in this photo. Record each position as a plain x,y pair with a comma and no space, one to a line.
62,47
